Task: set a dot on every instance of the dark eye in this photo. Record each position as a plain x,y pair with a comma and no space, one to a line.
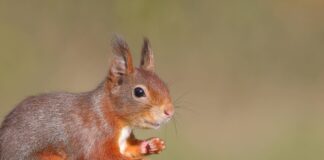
139,92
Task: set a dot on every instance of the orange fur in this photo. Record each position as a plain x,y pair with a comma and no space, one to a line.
51,154
90,125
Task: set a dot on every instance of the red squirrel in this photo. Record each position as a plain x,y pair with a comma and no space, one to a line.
94,125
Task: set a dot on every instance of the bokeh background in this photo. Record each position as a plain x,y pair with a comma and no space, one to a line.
247,76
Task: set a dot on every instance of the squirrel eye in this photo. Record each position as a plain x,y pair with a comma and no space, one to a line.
139,92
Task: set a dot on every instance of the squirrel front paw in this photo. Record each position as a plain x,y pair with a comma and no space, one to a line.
152,146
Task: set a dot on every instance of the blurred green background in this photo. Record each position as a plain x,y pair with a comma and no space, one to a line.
248,75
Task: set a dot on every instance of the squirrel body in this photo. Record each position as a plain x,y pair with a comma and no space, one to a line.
94,125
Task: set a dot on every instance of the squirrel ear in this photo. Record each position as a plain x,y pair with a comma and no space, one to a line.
122,63
147,59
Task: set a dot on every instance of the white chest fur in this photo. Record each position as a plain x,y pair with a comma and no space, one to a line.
122,140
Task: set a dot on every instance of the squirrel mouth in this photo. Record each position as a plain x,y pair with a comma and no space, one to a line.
156,125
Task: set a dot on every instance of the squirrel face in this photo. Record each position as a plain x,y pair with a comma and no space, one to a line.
138,95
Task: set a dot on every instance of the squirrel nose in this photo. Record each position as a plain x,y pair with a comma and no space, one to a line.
169,112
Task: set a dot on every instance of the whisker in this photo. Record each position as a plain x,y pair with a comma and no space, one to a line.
181,96
175,125
185,108
165,133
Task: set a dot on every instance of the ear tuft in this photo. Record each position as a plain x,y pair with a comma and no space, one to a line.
119,45
147,59
122,63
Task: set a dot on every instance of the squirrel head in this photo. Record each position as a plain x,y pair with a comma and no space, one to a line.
137,94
